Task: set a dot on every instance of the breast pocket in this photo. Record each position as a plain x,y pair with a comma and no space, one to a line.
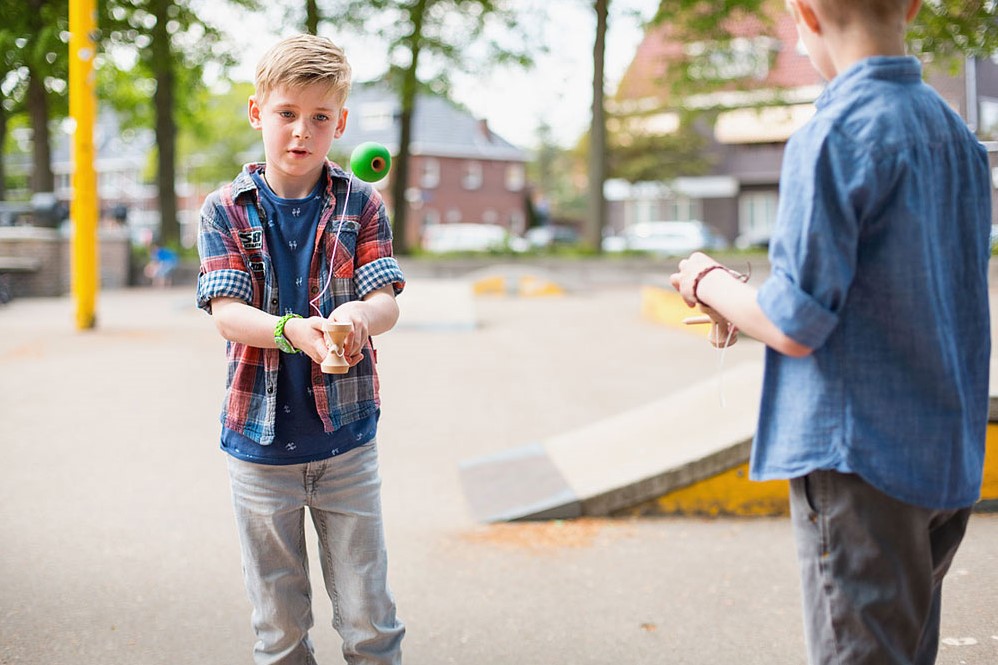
341,241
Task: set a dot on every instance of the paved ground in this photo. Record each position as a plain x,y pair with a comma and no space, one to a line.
116,536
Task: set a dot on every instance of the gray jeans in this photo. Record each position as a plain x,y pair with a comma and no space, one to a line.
872,570
343,494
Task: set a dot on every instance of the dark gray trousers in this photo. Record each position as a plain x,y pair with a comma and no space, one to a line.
872,569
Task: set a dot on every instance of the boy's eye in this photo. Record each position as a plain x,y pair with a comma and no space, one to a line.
322,117
286,114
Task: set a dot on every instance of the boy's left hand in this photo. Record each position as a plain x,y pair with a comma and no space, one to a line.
689,268
353,312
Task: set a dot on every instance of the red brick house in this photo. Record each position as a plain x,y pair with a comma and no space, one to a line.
771,93
460,170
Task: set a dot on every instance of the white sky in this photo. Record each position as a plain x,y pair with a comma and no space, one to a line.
512,100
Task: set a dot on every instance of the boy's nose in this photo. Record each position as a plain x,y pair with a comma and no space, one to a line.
301,129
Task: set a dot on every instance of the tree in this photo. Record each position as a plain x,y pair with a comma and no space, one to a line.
942,31
167,47
597,135
428,39
36,62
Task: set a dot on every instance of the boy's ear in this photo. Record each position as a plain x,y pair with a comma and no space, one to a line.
341,123
253,111
806,15
913,11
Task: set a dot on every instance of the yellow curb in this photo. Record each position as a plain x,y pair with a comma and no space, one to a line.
665,306
526,286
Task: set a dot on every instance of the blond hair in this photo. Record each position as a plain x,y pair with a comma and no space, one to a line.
882,12
303,60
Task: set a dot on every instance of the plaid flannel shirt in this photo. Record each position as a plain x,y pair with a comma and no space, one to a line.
235,263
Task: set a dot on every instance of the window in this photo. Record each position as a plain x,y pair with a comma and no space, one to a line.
429,173
376,116
680,209
757,216
516,177
740,58
471,176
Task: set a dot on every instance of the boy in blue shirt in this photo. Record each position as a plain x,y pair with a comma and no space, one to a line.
875,396
289,243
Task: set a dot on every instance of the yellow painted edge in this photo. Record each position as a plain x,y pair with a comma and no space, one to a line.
989,488
728,493
532,287
666,307
489,286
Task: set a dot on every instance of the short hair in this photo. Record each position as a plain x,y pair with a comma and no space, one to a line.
304,60
878,11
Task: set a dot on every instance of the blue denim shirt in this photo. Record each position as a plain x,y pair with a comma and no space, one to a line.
879,263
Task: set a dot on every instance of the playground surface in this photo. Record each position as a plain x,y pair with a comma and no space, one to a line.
118,543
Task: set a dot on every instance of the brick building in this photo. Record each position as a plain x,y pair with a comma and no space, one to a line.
771,94
460,170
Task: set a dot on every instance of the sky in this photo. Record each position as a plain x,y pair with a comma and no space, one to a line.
514,101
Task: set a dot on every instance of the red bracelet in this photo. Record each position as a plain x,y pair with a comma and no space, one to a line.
717,266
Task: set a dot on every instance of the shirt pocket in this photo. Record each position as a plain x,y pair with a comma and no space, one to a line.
341,241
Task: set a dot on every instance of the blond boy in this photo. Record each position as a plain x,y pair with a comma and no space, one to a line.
291,242
876,319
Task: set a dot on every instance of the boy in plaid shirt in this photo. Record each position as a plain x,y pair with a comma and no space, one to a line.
289,243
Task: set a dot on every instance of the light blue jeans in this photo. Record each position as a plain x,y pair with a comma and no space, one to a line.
343,494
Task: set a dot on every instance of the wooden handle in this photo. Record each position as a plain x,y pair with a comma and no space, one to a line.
697,320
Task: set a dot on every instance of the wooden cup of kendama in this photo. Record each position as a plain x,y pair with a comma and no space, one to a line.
335,333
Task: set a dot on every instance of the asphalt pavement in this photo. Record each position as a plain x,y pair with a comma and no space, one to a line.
117,542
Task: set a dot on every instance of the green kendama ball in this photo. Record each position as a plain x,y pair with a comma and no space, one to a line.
370,161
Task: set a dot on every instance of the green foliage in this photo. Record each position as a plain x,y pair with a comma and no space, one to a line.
215,145
638,155
33,41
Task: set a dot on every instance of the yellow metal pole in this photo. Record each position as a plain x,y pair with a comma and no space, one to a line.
83,209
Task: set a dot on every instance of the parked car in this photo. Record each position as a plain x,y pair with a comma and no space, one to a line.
669,238
543,237
465,237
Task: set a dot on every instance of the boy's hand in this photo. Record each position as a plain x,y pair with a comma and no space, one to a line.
354,312
307,336
689,268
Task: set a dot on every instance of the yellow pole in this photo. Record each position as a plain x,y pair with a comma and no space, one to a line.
83,209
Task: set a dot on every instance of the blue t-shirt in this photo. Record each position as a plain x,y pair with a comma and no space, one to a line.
879,264
298,433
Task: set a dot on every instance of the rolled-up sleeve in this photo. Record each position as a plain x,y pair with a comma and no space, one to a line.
797,314
375,265
223,269
223,283
378,273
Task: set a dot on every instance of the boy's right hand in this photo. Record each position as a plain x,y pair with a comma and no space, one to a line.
307,336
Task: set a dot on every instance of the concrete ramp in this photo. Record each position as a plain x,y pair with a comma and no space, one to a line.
624,461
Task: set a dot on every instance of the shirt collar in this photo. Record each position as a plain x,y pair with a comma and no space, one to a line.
243,184
900,69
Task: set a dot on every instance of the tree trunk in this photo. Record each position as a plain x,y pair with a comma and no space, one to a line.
597,136
166,126
3,142
42,179
402,242
312,17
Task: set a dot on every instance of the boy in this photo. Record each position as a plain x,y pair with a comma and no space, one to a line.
875,396
296,437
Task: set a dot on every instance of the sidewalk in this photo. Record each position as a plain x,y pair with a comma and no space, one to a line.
118,542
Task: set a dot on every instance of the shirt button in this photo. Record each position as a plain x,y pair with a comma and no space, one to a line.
270,389
274,302
315,289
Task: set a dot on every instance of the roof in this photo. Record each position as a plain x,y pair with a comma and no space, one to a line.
439,128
